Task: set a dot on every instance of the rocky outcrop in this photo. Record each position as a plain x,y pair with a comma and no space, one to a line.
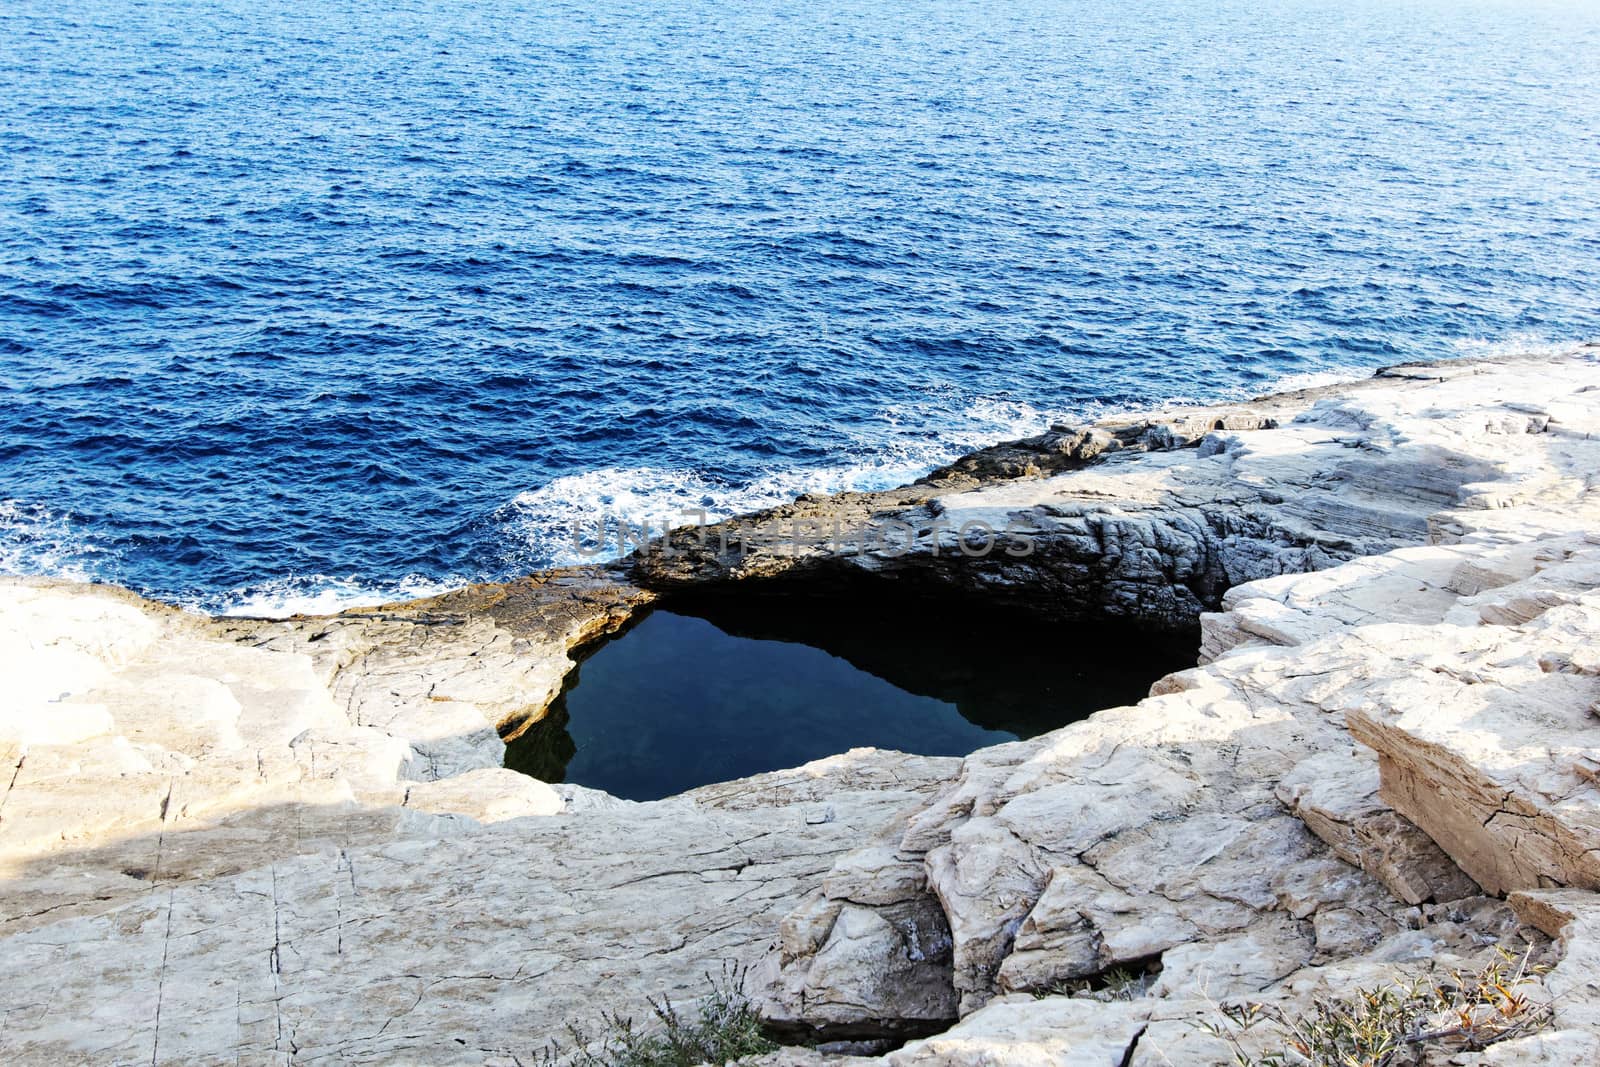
145,744
1142,834
1506,781
1335,794
472,948
1229,828
1154,518
454,673
289,841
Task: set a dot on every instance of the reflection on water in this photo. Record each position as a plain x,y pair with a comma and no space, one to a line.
738,688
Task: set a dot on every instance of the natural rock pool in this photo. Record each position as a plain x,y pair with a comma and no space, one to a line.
714,690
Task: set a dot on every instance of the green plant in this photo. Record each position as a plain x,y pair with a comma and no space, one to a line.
1116,983
1393,1025
723,1027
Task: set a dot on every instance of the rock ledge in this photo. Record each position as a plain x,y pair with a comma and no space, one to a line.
281,842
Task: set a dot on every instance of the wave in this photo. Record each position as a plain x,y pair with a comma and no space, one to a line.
319,594
574,519
555,524
36,540
1525,343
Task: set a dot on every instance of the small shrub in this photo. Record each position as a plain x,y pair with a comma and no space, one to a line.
1116,983
1395,1025
723,1027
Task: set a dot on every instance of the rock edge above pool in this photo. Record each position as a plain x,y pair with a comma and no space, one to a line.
273,841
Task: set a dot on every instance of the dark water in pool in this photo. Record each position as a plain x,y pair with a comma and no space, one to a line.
342,300
679,701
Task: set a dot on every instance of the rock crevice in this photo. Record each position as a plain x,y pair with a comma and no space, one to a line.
291,841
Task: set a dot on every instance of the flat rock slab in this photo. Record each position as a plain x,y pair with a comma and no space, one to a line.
256,841
439,951
145,744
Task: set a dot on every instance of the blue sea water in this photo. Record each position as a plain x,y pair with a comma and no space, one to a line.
308,303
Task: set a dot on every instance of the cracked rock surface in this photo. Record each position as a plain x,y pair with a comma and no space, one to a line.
1372,754
271,842
480,945
144,744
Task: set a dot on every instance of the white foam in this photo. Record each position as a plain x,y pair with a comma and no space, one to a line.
1526,343
548,526
37,540
559,523
320,594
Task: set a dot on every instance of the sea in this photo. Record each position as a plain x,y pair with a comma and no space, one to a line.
311,305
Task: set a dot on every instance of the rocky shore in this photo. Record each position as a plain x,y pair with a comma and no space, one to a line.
255,841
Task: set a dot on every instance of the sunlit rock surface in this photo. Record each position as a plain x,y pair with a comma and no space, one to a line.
145,744
240,841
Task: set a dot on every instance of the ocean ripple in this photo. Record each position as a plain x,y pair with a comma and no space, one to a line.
302,310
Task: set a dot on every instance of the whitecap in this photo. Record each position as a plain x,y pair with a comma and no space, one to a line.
37,540
1527,343
578,518
319,594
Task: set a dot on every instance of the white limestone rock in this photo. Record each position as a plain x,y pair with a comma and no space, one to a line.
1336,795
489,794
214,845
1024,1032
148,744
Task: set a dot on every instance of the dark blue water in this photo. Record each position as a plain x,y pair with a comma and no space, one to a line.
752,685
678,702
356,297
